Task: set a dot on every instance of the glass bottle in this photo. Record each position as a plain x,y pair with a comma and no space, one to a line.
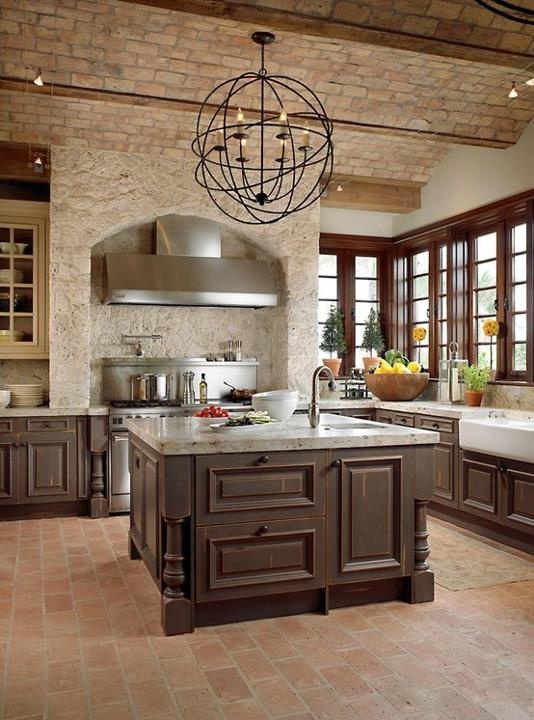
203,390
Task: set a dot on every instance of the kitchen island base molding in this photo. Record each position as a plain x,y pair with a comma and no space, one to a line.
235,536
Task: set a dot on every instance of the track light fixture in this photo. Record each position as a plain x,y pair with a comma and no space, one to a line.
38,79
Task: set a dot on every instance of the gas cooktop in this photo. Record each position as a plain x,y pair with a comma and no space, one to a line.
144,403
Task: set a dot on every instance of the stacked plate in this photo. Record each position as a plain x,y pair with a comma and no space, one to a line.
25,395
7,275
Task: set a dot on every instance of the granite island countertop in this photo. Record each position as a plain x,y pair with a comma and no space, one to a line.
47,411
183,436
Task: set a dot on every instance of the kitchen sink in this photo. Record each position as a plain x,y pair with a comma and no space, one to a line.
504,437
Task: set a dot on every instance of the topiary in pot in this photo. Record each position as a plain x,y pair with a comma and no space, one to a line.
373,338
333,339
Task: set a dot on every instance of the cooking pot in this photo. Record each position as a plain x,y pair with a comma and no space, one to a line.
142,387
239,395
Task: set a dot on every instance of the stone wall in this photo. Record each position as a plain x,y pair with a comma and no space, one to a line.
98,194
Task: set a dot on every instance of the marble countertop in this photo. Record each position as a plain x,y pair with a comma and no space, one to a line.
46,411
183,436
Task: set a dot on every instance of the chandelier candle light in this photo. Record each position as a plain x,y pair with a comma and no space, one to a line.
264,144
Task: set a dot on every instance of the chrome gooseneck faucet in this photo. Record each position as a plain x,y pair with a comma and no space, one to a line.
314,415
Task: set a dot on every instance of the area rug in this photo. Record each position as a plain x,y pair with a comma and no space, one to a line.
460,561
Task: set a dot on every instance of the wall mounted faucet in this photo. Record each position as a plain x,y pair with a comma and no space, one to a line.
136,340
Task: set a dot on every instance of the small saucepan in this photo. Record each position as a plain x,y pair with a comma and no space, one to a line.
237,395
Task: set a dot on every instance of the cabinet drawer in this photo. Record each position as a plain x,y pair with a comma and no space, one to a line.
250,559
437,424
7,426
383,417
52,423
404,419
251,486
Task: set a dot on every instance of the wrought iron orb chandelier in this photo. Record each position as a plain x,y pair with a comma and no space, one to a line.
522,12
264,144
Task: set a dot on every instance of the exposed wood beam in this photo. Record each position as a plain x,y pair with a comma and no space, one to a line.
14,163
337,30
177,104
363,194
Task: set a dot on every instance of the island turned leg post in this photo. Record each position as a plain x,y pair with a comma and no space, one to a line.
98,445
422,586
176,609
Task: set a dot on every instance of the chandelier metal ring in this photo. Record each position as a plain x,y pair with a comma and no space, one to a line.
509,10
275,162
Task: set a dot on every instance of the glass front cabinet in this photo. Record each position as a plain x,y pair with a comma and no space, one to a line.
23,280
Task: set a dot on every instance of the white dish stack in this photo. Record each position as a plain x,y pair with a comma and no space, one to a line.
25,395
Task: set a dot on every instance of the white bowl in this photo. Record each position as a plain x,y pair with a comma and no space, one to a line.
279,404
20,248
5,248
5,397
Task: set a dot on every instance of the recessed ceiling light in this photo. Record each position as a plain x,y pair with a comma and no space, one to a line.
339,188
513,92
530,82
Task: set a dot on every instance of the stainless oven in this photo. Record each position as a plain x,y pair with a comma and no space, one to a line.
118,472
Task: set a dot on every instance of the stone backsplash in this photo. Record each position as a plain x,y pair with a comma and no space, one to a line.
108,200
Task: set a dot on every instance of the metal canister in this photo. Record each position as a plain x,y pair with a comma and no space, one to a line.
142,387
162,384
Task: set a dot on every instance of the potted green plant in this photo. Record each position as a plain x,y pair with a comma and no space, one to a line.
475,378
373,338
333,339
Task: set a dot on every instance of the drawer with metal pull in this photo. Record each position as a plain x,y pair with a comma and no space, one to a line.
438,424
255,486
50,423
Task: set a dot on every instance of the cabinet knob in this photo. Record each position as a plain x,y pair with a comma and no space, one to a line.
403,421
435,426
337,463
502,470
263,529
264,459
23,444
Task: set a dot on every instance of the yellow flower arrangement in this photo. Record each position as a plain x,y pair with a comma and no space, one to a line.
490,328
419,334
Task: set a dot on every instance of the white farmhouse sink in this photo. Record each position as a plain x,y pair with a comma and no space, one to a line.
501,437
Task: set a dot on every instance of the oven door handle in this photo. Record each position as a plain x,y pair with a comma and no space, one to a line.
116,436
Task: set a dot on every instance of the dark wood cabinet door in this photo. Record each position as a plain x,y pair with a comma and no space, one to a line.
9,457
49,467
370,515
251,486
151,510
144,506
518,496
479,485
446,471
255,559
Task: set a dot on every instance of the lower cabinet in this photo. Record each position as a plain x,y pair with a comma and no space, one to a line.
255,559
42,460
498,489
144,506
370,516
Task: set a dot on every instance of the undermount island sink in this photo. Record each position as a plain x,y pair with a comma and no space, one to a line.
349,424
499,436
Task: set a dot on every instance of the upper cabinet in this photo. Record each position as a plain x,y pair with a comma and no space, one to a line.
23,280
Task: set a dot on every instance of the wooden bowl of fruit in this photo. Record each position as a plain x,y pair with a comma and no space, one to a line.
210,415
397,382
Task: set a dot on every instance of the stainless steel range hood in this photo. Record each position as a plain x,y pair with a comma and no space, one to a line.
187,270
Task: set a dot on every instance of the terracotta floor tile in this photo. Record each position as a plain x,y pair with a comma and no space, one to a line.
140,665
255,665
453,705
94,608
378,643
70,704
274,645
374,707
246,710
518,689
183,674
115,711
365,663
405,698
151,697
106,686
317,653
23,698
228,685
64,675
299,673
295,628
415,671
58,601
346,682
198,705
61,648
237,640
505,710
278,698
326,704
97,656
211,655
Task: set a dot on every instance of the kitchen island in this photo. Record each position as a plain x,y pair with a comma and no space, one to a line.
281,519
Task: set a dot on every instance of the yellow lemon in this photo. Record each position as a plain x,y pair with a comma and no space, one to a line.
414,367
400,369
382,371
385,366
